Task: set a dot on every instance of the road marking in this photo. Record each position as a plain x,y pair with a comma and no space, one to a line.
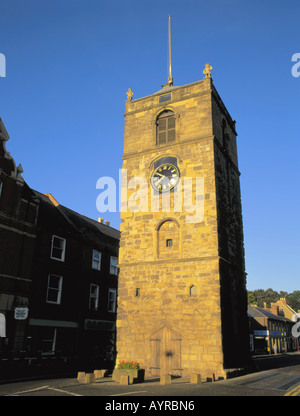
27,391
257,379
132,392
294,392
293,382
64,391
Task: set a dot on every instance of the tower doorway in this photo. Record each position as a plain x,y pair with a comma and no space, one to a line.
165,353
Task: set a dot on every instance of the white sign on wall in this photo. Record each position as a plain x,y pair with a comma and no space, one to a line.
21,313
2,326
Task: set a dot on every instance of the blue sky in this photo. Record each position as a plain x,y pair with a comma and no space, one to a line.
69,64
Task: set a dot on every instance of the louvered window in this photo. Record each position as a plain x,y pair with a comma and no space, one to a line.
165,127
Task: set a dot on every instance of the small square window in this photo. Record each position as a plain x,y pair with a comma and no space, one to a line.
169,243
96,262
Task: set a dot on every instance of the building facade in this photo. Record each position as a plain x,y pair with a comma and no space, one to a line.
182,303
73,304
18,218
58,278
270,333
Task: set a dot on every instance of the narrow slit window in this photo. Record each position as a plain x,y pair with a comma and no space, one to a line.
193,290
169,242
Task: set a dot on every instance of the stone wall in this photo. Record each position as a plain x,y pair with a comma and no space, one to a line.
159,315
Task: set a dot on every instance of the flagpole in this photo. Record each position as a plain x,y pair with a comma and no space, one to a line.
170,78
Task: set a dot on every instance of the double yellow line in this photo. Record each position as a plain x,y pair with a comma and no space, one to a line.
294,392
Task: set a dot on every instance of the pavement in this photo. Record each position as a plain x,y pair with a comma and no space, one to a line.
275,376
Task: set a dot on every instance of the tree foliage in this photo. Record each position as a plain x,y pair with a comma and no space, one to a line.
260,296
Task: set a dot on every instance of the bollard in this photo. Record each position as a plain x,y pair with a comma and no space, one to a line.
81,377
89,378
104,372
98,373
195,378
166,379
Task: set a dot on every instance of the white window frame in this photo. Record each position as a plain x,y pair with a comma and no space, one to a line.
63,249
113,267
96,263
112,300
94,296
57,289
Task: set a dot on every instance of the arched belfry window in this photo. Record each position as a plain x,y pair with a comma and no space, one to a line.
165,127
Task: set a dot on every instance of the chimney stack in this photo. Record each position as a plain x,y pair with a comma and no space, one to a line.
274,309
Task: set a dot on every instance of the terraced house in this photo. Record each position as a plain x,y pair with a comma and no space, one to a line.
58,277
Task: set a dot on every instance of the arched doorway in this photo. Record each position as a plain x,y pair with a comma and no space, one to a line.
165,353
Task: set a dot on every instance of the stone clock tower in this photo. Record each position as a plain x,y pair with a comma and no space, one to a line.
182,304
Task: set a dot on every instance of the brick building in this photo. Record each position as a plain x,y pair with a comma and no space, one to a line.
58,277
73,304
18,217
269,331
281,308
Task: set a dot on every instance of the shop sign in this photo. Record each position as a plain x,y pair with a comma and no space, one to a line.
21,314
261,333
95,324
266,333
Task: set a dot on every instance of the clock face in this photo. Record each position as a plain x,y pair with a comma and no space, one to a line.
165,177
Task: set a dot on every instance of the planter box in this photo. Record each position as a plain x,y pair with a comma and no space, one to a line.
135,375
